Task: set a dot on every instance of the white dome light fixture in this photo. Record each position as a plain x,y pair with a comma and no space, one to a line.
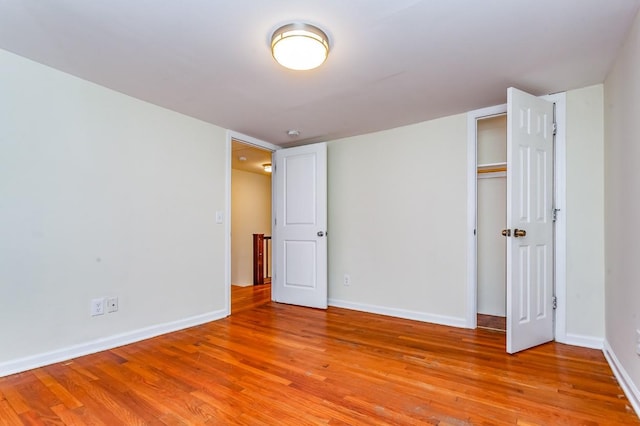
300,46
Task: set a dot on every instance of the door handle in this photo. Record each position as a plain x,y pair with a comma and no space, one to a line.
519,233
320,234
506,232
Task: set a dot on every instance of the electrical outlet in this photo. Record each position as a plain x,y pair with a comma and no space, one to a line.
112,304
97,307
347,280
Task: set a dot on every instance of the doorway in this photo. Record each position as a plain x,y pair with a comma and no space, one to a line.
491,217
559,192
250,213
300,184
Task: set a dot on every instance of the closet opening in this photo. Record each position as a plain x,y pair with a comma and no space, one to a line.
491,163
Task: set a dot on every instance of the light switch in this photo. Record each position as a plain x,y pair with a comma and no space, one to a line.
219,217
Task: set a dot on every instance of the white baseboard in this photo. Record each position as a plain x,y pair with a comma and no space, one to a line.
400,313
630,389
105,343
580,340
242,285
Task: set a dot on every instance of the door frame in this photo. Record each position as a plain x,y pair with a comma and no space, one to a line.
559,189
231,135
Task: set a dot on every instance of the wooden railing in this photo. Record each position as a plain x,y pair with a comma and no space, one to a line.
261,259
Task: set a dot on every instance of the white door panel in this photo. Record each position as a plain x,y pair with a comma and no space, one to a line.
529,209
300,241
300,193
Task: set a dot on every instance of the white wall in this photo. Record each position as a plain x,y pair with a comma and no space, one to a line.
492,248
251,210
397,221
622,186
585,213
101,195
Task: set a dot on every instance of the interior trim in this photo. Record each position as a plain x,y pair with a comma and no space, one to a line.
232,135
400,313
624,380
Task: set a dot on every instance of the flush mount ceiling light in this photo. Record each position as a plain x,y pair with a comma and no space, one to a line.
267,167
299,46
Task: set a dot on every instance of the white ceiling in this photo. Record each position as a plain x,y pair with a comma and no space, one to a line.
392,62
249,158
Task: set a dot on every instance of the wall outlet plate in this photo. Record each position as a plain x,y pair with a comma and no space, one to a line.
97,307
112,304
347,280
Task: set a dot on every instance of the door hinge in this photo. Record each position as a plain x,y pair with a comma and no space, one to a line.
555,128
555,302
555,214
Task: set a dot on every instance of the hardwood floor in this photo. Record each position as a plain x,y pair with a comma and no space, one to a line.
243,298
278,364
492,322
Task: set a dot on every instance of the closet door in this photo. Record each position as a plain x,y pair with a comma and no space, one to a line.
529,221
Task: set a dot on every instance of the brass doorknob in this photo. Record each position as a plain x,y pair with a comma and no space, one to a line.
506,232
519,233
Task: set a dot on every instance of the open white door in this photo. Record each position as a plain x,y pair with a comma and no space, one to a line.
300,226
529,221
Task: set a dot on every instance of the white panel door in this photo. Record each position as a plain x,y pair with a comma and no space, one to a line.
300,226
529,219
